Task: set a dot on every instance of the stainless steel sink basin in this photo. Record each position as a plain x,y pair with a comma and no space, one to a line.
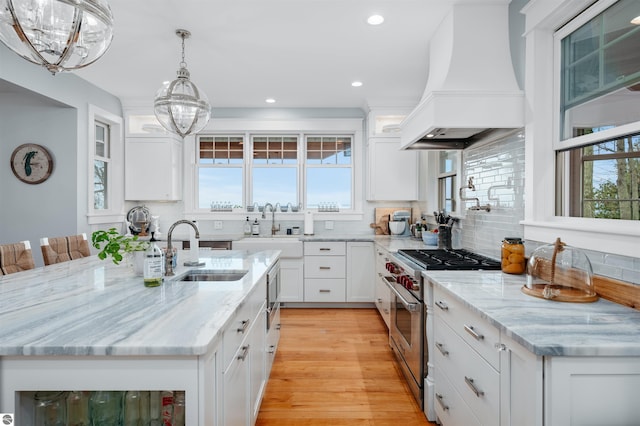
212,275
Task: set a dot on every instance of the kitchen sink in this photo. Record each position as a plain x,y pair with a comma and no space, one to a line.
212,275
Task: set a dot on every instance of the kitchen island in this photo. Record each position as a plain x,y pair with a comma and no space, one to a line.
503,357
88,324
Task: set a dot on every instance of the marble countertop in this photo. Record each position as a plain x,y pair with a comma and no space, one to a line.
544,327
93,307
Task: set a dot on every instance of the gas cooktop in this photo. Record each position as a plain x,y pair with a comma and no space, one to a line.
449,260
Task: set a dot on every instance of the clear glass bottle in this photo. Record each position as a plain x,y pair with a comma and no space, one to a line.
105,408
50,408
155,409
178,408
512,254
131,408
78,408
247,227
153,265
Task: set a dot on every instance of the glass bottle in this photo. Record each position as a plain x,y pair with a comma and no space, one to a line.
50,408
512,254
131,409
155,409
78,408
167,407
247,227
104,407
178,408
153,265
145,417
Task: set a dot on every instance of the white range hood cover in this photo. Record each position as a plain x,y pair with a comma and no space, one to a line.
471,91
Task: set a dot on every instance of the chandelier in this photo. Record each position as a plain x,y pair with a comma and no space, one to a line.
180,106
60,35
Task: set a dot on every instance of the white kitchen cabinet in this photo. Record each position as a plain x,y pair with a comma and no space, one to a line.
324,271
392,173
244,347
360,272
591,391
466,353
291,280
153,168
520,385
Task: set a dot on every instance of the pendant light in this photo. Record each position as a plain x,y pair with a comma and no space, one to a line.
180,106
60,35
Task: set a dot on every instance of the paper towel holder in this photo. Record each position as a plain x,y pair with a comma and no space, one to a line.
308,222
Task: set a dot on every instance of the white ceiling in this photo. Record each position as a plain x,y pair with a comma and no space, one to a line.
303,53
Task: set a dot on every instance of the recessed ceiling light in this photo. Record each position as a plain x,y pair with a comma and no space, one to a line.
270,101
636,20
356,84
375,20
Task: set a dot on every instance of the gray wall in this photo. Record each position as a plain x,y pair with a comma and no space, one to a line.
52,111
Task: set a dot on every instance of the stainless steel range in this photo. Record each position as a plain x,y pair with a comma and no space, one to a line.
410,323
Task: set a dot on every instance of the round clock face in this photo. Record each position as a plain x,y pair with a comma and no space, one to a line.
31,163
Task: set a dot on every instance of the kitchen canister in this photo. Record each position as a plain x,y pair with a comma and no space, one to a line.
512,254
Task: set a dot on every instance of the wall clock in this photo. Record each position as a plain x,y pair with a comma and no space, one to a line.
31,163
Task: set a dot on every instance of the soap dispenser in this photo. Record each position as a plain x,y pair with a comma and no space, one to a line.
247,227
255,228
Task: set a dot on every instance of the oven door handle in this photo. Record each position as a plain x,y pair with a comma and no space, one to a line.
411,307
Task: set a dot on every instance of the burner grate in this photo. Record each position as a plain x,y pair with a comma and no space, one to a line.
443,259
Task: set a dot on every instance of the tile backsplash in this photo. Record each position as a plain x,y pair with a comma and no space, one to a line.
497,169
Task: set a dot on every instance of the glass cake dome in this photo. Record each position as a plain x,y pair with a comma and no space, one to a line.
561,273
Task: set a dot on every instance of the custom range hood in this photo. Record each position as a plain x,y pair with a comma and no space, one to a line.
471,93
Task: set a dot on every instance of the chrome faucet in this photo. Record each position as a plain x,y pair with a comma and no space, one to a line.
273,217
168,265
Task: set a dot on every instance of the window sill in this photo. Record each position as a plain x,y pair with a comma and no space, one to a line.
604,235
299,216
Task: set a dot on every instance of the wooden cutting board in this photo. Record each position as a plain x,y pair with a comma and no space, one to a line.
382,215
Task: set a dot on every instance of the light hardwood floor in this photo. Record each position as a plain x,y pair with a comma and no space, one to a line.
335,367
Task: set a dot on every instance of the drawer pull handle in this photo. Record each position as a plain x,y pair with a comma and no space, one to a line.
325,267
469,329
272,349
325,249
278,326
440,304
245,324
472,386
379,300
325,291
245,352
441,348
440,399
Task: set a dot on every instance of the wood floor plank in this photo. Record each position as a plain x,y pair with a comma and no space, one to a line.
335,367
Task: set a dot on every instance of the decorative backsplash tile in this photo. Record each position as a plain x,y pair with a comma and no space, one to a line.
497,169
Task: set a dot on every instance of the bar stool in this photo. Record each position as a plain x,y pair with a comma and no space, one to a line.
62,249
16,257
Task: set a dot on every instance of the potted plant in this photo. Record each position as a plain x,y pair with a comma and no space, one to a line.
114,244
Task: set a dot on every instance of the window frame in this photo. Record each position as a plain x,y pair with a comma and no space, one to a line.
115,179
541,223
265,127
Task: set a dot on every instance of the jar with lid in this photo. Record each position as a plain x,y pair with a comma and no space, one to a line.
512,253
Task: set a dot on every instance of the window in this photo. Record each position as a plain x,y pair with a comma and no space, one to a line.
312,171
604,179
101,167
329,172
220,170
105,167
600,72
447,180
597,162
275,170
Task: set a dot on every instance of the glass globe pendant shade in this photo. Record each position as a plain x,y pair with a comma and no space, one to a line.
179,105
61,35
